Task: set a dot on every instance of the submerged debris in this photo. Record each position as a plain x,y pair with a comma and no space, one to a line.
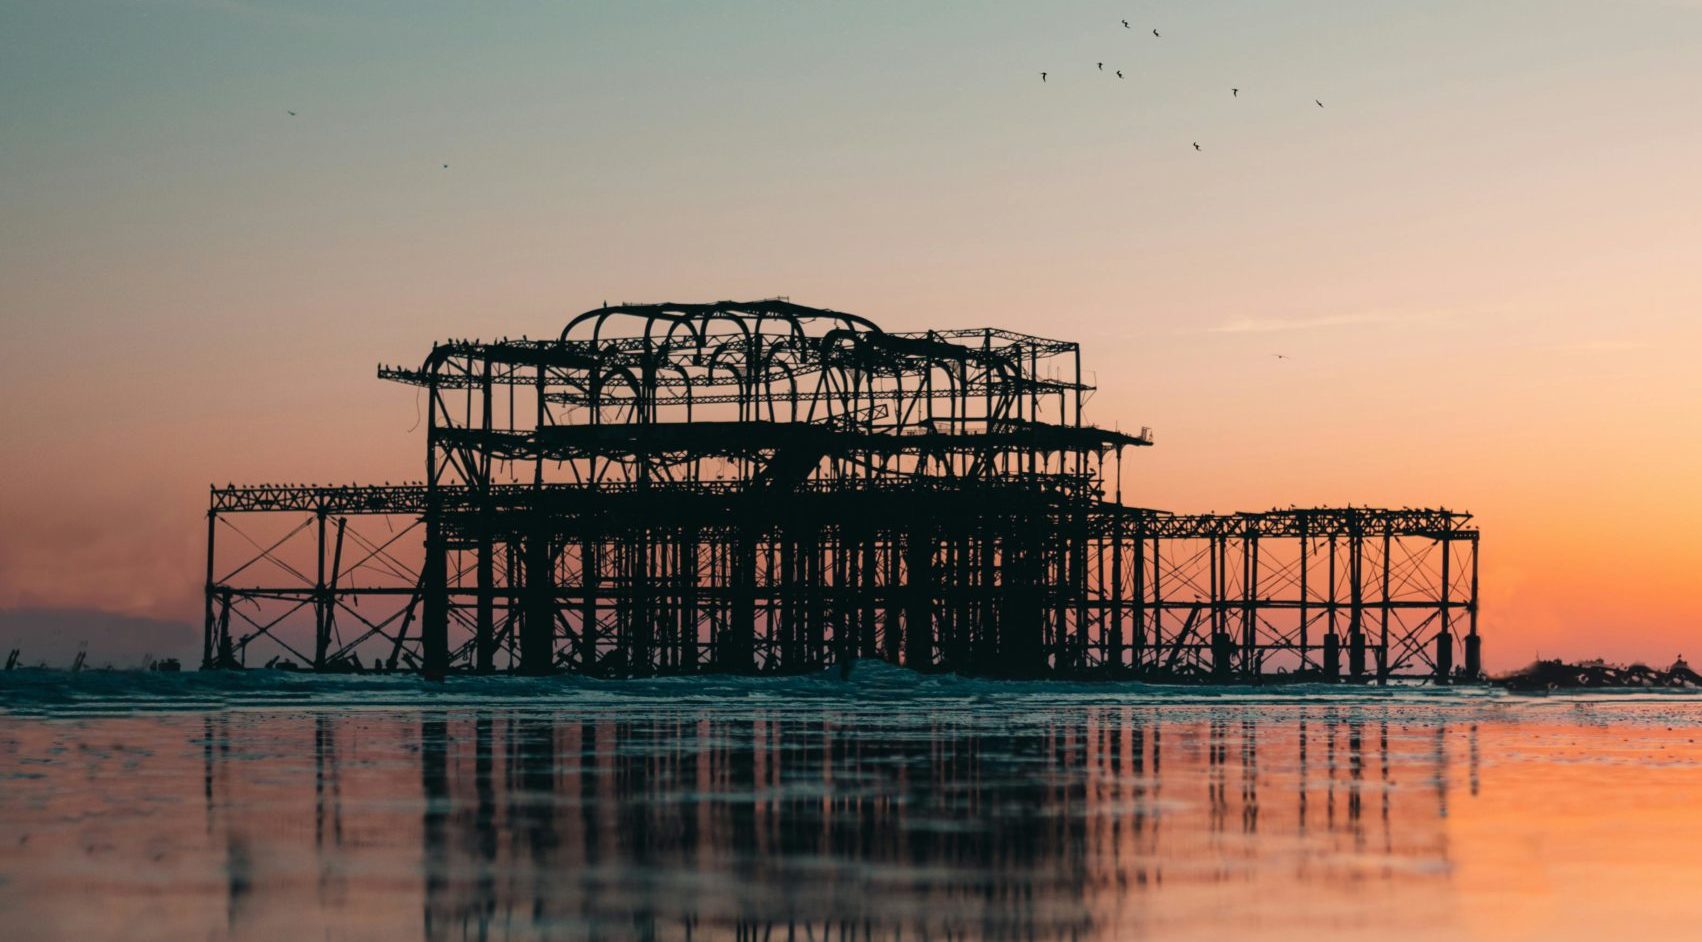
1559,675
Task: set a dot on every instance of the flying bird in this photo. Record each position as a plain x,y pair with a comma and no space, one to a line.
1280,356
1155,33
1317,102
446,166
1196,145
291,113
1235,93
1101,66
1125,24
1043,76
1119,73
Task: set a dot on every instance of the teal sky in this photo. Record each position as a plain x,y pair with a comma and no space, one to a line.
1483,257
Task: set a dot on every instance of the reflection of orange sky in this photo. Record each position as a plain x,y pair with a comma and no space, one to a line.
1279,823
1583,839
1486,285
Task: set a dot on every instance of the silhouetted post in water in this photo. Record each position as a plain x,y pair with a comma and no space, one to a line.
919,600
1332,641
325,596
321,637
590,634
226,656
1137,648
1214,612
434,581
735,650
1222,655
1445,638
1114,624
1356,599
1021,619
1474,645
1305,592
484,626
207,645
1249,601
12,658
537,626
1383,638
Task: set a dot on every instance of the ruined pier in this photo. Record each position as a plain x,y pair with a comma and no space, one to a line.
762,487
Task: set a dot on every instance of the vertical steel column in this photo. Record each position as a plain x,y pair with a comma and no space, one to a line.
208,626
1383,640
1445,638
1138,591
434,584
321,630
1305,593
735,652
1250,661
918,616
1474,644
1332,640
590,563
537,626
1157,600
1114,627
1356,598
484,637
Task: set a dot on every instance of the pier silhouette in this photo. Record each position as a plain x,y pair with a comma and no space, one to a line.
762,487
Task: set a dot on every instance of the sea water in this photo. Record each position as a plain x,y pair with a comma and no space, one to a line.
263,805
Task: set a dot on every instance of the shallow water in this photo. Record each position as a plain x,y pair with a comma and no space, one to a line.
278,806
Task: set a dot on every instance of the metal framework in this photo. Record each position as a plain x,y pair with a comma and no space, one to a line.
767,488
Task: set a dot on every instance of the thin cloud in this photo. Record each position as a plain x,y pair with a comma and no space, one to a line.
1599,346
1269,325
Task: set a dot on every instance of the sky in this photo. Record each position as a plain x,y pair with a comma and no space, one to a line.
1480,258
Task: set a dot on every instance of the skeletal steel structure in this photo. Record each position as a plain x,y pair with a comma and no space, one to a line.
764,487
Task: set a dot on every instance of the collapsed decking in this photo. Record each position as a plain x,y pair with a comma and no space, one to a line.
764,488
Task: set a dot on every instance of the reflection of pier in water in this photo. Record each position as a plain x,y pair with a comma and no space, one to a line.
822,824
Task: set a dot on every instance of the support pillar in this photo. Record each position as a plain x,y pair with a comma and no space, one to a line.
434,602
919,601
537,625
1444,657
484,638
1474,644
208,626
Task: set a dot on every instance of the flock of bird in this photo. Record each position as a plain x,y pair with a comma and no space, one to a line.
1233,92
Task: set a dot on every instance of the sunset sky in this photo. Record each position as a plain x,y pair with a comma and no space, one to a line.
1482,258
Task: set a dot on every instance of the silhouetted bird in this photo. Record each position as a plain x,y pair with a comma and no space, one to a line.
1043,76
1155,33
1317,102
1280,356
1125,24
291,114
1235,93
446,166
1196,145
1119,73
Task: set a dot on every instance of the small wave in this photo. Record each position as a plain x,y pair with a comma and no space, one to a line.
870,683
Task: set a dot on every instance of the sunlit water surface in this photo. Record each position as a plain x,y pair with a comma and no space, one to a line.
892,807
